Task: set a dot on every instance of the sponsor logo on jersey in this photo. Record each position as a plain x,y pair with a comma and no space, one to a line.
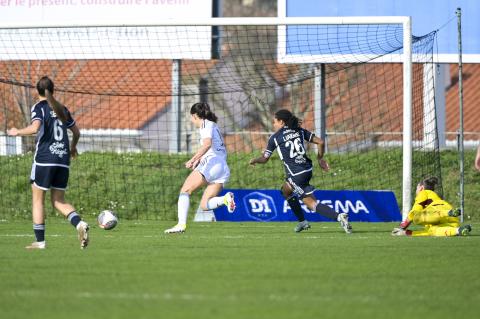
58,148
300,160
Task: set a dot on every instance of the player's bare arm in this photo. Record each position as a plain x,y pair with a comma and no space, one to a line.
28,130
58,107
320,152
75,137
193,162
259,160
477,159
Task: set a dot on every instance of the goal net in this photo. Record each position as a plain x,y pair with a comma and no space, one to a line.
130,89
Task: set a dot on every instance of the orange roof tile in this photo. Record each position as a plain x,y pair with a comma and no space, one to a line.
10,114
122,94
471,101
134,91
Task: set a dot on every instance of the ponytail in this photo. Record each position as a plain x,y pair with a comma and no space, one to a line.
288,118
202,110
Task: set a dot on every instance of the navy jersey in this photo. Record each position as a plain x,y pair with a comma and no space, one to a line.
52,147
290,144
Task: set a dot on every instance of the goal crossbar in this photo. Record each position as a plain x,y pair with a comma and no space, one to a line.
215,22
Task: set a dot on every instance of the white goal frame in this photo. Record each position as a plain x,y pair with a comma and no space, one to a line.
282,23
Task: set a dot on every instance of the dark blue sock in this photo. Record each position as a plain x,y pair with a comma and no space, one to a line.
326,211
296,208
74,219
39,230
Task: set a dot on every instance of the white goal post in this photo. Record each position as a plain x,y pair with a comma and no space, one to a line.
282,56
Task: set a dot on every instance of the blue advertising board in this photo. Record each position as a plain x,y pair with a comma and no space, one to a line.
268,205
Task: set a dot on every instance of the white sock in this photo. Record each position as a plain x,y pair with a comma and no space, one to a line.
215,202
183,205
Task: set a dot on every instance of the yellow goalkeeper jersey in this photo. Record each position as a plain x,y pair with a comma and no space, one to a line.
427,198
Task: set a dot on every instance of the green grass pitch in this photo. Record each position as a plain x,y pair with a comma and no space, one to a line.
237,270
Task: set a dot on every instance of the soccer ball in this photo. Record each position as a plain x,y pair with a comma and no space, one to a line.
107,220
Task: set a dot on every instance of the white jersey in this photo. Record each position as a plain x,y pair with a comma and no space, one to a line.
213,164
210,129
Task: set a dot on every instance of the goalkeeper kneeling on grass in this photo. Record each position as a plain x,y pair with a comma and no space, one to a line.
433,213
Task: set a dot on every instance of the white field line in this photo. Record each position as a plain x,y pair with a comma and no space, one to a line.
276,297
169,296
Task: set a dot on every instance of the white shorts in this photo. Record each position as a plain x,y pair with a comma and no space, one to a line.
214,169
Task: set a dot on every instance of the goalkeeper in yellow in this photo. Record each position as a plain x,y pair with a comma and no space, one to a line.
433,213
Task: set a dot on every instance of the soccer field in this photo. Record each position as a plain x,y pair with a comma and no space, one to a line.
237,270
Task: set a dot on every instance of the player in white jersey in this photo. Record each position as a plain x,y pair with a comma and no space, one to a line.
210,169
50,170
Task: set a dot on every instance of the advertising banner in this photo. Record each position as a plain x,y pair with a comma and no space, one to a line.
102,42
268,205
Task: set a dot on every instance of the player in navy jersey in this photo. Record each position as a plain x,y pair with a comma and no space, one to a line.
289,141
50,170
210,169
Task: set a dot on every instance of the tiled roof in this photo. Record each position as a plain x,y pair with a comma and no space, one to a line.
120,107
115,112
10,115
120,94
471,101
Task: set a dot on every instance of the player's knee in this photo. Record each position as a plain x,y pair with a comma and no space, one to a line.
186,190
312,206
311,203
203,205
286,192
56,203
57,198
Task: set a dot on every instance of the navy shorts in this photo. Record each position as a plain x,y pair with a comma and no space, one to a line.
46,177
301,184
